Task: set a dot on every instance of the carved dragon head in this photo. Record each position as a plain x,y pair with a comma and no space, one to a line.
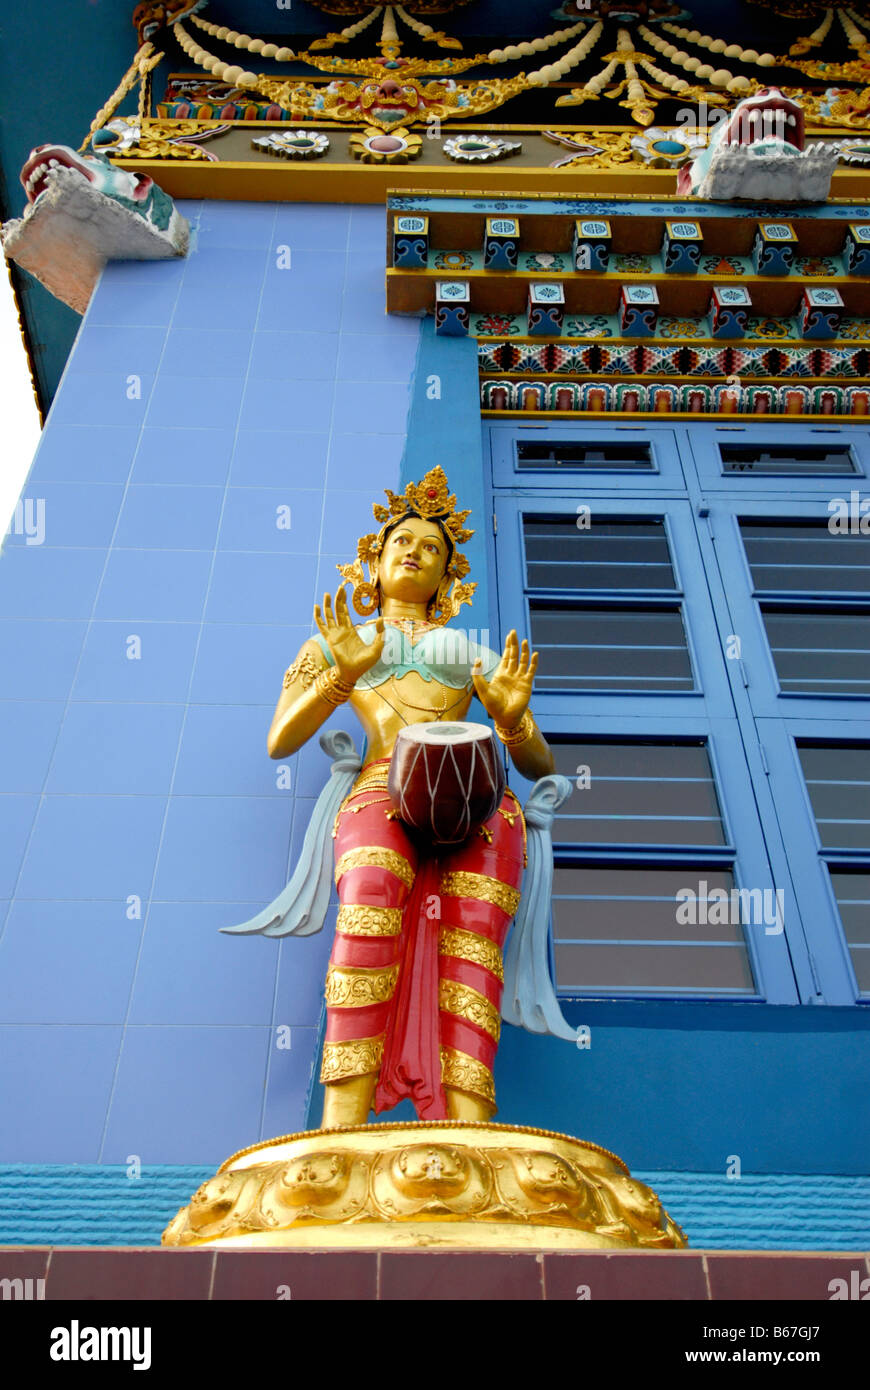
759,153
46,163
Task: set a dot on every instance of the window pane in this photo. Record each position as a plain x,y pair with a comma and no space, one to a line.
838,783
793,558
787,458
608,555
637,793
852,891
626,930
615,457
820,653
610,649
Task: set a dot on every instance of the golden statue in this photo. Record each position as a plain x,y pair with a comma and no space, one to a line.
430,851
403,668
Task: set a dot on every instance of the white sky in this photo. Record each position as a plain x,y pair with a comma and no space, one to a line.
17,406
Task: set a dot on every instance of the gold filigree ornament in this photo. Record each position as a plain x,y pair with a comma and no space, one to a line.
374,146
357,987
359,919
450,1184
431,500
126,137
358,1057
842,107
465,1002
304,669
387,99
468,945
855,70
375,856
482,888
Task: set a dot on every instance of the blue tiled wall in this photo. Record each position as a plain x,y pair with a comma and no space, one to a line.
201,396
147,779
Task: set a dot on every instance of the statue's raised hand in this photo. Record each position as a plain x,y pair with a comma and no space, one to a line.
505,697
351,654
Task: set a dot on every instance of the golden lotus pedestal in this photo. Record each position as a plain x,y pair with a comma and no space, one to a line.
444,1184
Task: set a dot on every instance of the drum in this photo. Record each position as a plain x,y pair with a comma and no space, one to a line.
446,779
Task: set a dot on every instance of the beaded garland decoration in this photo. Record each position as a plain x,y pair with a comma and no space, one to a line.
645,56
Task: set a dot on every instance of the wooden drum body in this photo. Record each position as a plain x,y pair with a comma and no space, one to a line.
446,779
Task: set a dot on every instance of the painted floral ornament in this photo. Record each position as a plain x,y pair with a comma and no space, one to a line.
293,144
667,149
372,146
855,152
480,149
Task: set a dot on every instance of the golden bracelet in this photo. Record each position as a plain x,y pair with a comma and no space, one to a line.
523,731
332,688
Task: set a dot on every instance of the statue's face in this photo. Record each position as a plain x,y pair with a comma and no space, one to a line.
413,561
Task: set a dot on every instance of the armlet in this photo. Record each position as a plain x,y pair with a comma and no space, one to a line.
304,668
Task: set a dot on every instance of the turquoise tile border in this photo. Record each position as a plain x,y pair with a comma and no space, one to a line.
101,1205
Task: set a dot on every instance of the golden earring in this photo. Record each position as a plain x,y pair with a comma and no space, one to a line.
440,609
365,598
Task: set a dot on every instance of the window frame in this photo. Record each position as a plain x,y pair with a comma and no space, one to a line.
667,473
746,603
823,928
741,852
770,794
690,595
706,436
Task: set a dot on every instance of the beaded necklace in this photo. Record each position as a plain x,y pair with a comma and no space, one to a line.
408,625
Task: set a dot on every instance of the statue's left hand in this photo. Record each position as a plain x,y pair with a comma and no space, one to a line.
506,696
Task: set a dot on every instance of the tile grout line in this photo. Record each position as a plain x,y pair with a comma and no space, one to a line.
340,335
270,251
123,1026
318,553
331,430
69,374
171,783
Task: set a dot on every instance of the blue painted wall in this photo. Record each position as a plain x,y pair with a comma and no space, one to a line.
202,396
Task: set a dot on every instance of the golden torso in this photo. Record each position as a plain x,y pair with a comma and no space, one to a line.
408,699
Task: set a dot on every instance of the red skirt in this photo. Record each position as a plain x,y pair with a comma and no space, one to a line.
415,980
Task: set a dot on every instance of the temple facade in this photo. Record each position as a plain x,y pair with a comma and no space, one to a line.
592,263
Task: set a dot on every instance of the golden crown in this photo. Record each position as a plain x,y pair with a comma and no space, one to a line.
432,500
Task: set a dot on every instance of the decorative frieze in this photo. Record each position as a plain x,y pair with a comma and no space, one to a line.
598,397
